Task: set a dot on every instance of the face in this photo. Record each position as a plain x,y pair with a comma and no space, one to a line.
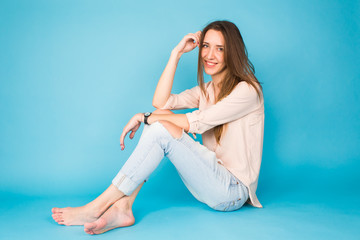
212,53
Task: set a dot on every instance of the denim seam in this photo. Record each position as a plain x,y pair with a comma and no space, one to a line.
120,180
229,204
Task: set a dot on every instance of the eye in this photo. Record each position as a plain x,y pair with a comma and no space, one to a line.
220,49
205,45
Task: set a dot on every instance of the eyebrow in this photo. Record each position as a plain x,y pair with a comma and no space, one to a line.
216,45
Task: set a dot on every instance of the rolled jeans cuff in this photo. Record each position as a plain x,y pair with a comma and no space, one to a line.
124,184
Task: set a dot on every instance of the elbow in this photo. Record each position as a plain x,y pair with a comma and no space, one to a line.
156,105
159,103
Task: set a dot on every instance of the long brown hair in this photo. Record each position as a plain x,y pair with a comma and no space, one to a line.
237,64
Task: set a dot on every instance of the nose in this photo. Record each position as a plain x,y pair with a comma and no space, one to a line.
210,54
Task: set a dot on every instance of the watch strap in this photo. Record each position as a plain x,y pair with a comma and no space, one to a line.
146,115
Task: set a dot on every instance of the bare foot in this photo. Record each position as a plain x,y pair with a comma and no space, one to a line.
75,216
119,215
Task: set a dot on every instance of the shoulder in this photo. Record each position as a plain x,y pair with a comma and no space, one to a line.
244,89
245,92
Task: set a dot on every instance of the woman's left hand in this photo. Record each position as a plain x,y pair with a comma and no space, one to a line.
133,125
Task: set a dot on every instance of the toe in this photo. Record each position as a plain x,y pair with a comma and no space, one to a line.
90,226
57,217
88,231
56,210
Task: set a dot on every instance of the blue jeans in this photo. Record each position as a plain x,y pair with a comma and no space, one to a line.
207,180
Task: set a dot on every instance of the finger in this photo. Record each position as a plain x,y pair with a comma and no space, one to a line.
198,35
192,40
132,134
133,131
122,137
191,37
136,127
196,40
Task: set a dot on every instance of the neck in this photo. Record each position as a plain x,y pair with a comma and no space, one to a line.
217,79
216,82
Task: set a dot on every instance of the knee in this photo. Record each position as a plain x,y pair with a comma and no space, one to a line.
175,131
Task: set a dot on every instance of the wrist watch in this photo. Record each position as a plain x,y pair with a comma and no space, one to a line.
146,115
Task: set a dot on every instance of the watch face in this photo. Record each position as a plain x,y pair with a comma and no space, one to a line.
147,114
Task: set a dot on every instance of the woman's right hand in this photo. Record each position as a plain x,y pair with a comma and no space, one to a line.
188,43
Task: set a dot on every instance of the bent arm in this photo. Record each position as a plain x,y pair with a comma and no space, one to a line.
240,102
179,120
163,88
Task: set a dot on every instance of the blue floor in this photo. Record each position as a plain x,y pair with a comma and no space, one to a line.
297,214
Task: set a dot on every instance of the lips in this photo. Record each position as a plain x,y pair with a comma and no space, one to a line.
210,64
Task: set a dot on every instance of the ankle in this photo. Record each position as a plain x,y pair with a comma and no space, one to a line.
96,210
124,204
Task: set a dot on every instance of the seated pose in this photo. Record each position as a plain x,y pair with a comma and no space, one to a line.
223,172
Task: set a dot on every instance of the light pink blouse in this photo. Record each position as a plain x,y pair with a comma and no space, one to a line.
241,143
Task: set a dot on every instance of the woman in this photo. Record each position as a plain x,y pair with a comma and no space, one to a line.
222,173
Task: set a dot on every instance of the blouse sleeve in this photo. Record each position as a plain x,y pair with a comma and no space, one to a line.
240,102
187,99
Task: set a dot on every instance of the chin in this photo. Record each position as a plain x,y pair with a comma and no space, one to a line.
211,72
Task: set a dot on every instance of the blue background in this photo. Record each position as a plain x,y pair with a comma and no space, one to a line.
72,73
